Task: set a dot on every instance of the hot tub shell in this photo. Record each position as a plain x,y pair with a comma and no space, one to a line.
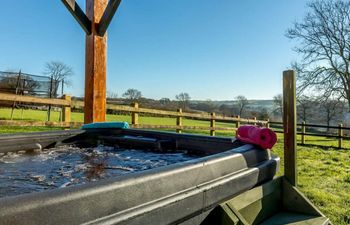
180,193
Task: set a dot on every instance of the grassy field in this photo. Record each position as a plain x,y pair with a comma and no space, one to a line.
323,171
38,115
324,177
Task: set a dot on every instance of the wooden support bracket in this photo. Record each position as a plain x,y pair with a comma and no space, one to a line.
78,14
107,16
85,22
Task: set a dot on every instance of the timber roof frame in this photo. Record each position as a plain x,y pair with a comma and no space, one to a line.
86,23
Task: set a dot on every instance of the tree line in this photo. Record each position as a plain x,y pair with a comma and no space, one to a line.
239,106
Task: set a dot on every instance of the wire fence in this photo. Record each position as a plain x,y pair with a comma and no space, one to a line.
24,84
27,84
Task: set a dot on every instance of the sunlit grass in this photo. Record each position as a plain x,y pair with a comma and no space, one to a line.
41,115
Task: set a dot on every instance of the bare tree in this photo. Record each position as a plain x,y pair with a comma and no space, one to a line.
60,74
242,102
332,109
304,107
278,103
132,94
324,43
263,114
183,99
111,94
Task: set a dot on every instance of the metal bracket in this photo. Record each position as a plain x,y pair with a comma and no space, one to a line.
85,22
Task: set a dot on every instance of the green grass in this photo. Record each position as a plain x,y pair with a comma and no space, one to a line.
323,170
40,115
324,177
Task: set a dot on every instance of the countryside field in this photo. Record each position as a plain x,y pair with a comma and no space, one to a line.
323,170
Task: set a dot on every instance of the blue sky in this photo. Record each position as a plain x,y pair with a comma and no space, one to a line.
211,49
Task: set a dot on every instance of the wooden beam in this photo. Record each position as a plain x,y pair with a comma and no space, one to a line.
36,100
78,14
108,16
290,126
95,66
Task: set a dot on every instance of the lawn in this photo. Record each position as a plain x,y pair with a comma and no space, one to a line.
40,115
323,170
324,177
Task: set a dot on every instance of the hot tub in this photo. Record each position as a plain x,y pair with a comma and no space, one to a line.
211,171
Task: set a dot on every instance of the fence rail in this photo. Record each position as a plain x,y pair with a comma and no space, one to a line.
179,115
204,116
135,111
36,100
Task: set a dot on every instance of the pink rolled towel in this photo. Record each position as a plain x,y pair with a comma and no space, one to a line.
264,137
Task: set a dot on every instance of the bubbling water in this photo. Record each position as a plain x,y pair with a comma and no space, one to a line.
69,165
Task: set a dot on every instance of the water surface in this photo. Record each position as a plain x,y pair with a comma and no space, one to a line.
70,165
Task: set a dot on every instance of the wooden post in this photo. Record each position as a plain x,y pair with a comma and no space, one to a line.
99,14
289,126
135,115
16,92
179,120
212,124
66,113
254,123
50,96
267,125
95,65
340,134
238,122
303,133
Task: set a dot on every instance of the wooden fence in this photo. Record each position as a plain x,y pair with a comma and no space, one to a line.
179,115
302,131
66,103
134,109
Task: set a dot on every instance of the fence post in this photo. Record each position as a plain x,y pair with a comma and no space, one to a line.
303,133
62,90
16,92
135,115
50,96
289,126
179,120
267,123
340,134
238,122
212,124
254,123
66,113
